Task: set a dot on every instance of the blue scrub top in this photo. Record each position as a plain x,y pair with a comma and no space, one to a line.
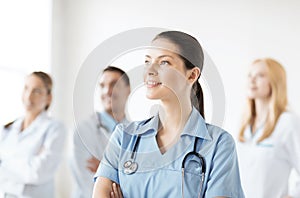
106,120
160,175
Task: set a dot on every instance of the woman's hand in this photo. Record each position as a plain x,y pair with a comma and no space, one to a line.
116,191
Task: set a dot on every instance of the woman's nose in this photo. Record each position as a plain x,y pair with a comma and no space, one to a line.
251,79
27,94
151,69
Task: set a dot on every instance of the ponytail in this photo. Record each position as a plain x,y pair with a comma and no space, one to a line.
192,54
197,98
8,124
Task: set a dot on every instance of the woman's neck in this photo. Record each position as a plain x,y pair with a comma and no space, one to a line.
173,118
28,119
262,111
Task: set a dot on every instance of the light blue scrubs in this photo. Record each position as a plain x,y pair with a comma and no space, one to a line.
160,175
107,121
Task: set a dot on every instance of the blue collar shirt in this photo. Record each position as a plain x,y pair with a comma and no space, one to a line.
160,175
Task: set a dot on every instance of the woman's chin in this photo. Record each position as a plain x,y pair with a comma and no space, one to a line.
151,96
28,108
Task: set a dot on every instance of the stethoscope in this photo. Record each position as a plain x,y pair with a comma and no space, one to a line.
130,166
202,163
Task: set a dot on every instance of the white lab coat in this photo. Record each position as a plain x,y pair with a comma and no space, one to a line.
29,159
265,167
90,138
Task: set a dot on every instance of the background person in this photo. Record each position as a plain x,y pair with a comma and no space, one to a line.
91,136
30,147
269,146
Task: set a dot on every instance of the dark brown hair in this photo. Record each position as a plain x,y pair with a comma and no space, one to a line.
191,52
123,74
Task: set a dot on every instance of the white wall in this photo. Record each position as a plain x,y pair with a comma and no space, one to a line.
24,48
232,32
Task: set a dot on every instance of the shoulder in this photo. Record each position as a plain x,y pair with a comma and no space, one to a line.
217,132
288,121
132,129
289,118
219,135
288,124
12,125
4,129
8,125
52,125
137,127
54,121
88,123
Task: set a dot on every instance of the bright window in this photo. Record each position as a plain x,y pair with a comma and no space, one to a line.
25,46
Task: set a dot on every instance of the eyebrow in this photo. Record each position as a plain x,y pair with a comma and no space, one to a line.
111,82
162,56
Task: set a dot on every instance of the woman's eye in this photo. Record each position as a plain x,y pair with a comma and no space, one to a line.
37,91
164,63
147,62
261,75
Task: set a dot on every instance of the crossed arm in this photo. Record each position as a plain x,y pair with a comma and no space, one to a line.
105,188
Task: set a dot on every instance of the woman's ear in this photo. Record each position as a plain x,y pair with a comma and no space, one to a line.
193,74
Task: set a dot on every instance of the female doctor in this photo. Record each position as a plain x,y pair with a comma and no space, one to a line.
175,153
31,146
269,146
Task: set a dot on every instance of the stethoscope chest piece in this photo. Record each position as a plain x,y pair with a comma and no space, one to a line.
130,167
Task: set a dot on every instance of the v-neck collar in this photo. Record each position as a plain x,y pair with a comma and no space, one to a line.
31,128
195,126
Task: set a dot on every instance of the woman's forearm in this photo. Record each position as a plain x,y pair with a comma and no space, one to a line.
102,188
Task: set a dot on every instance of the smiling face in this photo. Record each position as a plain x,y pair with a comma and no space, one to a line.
35,95
165,73
258,81
113,91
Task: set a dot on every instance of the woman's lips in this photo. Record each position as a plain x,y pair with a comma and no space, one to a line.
152,84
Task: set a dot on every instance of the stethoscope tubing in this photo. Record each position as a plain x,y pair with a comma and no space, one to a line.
130,166
135,147
203,166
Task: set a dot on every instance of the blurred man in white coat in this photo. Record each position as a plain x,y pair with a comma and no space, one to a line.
91,136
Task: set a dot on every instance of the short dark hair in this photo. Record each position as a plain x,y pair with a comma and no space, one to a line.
123,74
